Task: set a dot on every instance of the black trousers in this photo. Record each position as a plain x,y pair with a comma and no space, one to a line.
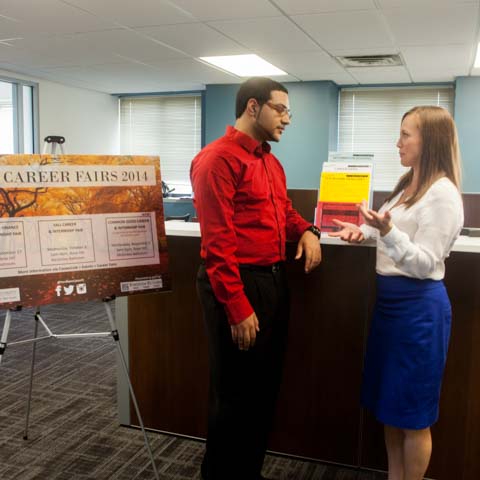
243,384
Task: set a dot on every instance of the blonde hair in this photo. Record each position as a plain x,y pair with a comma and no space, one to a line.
440,152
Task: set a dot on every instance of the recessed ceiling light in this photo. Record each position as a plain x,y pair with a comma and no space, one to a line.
477,58
244,65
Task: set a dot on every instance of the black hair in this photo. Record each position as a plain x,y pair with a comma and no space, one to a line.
258,88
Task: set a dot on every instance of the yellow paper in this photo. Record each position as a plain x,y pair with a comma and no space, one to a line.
344,187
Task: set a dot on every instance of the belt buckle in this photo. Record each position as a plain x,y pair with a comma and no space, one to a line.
275,268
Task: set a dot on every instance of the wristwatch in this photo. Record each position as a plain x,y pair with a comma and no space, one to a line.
315,230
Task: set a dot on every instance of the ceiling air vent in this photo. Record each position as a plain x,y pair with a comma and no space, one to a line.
370,60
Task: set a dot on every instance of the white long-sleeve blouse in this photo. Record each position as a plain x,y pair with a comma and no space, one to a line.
422,235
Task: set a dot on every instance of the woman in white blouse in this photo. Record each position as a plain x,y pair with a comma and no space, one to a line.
415,230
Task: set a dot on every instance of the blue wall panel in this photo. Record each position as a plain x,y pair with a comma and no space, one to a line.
305,143
313,131
467,118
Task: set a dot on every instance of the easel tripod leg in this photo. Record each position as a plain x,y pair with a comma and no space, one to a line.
130,386
6,328
32,368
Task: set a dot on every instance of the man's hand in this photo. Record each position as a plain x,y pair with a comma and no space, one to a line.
245,332
309,245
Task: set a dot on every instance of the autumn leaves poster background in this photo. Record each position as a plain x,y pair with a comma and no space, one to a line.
80,227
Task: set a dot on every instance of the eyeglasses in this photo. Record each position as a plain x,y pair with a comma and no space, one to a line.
280,108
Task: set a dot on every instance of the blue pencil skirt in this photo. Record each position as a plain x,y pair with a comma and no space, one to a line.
406,351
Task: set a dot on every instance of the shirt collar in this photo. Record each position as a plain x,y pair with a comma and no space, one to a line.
248,143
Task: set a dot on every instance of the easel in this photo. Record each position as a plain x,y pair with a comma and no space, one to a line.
54,140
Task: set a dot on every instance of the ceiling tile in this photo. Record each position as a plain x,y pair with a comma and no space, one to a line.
55,51
189,69
442,75
380,75
228,9
311,64
346,30
339,78
436,58
21,56
276,34
107,75
422,3
135,13
130,44
296,7
177,86
439,26
100,47
54,77
196,39
27,17
16,69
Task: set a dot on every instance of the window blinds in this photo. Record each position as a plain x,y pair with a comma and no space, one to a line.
168,126
369,122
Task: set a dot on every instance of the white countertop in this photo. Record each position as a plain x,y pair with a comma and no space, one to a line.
177,228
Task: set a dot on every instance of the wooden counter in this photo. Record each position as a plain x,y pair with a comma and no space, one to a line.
318,413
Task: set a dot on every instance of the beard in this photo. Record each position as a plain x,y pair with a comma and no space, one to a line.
263,132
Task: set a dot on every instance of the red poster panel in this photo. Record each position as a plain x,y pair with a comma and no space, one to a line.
80,227
343,211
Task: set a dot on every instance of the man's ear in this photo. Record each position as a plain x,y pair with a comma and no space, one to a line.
254,107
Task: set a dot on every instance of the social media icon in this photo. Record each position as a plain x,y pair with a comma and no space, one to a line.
58,290
68,290
81,288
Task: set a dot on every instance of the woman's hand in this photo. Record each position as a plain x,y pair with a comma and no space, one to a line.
381,221
349,233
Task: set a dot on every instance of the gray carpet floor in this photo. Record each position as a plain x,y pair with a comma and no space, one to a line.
74,432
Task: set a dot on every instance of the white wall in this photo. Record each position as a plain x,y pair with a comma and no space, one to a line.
88,120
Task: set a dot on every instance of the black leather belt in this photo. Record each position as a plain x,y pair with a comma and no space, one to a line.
274,267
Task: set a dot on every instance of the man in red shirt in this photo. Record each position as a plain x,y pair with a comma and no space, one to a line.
246,219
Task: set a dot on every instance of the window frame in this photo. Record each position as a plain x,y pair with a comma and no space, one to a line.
18,120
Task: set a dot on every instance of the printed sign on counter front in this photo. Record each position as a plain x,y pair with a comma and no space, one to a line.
80,227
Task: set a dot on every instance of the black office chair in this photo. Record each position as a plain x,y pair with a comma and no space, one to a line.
185,217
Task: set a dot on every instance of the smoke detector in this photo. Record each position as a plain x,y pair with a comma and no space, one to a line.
370,60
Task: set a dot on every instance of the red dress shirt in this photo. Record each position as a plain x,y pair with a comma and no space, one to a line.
245,216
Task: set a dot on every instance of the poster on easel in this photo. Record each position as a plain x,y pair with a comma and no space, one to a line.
80,227
342,187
